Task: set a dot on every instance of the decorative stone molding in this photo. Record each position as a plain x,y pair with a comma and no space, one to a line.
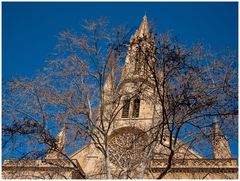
196,163
32,168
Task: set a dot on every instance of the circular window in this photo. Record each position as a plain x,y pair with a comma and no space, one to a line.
127,146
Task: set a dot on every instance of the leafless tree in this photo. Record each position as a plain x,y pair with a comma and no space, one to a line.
78,88
69,91
193,88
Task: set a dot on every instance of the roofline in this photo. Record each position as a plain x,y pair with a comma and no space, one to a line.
75,153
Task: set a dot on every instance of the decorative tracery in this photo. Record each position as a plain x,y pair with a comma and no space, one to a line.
127,146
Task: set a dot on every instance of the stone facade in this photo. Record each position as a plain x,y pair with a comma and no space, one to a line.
41,169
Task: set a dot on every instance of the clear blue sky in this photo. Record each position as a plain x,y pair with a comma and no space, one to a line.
30,29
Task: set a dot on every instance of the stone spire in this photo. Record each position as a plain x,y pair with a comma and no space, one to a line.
142,41
55,153
109,83
61,139
108,86
221,149
143,29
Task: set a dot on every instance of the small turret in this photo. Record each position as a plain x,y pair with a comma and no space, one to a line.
56,153
61,139
108,86
221,149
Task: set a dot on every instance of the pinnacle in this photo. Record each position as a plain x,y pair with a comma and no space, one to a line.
143,29
221,149
216,127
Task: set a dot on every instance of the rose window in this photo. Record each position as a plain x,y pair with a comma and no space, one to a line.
127,146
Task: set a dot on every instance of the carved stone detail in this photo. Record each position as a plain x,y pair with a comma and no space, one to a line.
127,147
196,163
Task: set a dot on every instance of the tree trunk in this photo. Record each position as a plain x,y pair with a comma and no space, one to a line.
107,161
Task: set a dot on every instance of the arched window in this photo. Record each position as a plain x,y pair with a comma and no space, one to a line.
125,110
136,108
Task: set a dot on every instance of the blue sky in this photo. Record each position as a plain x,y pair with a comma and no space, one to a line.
29,30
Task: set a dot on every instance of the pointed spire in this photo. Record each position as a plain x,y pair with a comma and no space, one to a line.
220,145
134,64
55,153
109,84
143,29
61,138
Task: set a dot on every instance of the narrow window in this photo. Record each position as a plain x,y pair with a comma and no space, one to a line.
136,108
138,57
125,110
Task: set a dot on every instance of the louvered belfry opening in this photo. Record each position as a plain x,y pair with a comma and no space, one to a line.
136,108
125,110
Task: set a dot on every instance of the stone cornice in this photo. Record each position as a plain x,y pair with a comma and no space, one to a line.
34,164
196,165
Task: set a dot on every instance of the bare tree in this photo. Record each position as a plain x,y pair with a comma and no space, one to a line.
79,88
192,89
70,91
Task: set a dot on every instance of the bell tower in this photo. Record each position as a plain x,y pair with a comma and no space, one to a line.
135,84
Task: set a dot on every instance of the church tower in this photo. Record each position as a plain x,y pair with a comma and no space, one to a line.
135,84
